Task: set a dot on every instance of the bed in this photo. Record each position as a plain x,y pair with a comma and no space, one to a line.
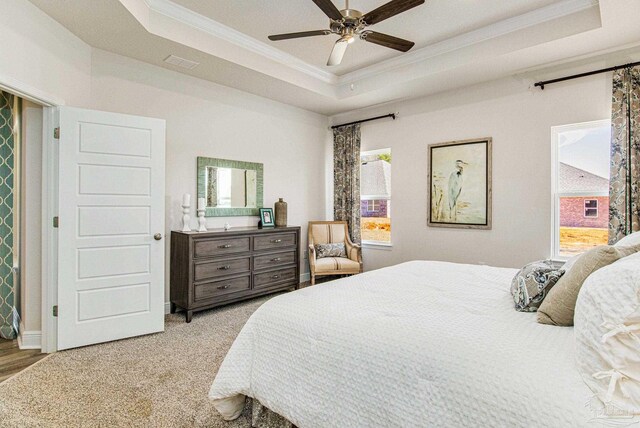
420,344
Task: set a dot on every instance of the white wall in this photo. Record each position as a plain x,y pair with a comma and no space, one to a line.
519,120
42,54
206,119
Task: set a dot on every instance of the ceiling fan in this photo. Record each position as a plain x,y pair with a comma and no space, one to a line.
351,23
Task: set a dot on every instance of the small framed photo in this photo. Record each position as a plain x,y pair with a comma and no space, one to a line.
266,217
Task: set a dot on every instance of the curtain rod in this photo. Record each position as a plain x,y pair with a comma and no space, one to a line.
542,84
391,115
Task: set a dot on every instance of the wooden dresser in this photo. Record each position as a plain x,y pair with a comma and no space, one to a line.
210,269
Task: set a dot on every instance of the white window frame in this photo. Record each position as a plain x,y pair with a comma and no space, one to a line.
555,195
378,244
590,208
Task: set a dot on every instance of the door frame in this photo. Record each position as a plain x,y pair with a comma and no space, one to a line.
49,103
49,252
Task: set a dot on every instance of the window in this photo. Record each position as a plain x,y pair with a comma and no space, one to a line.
373,206
580,187
375,196
591,208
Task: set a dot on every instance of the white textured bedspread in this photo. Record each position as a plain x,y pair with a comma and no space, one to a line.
420,344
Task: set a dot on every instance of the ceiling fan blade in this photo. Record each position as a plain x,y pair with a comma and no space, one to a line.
329,9
390,9
337,52
300,34
387,41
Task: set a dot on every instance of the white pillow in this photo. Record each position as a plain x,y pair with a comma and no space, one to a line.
629,240
607,331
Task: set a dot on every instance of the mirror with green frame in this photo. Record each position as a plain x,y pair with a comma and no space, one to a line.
230,188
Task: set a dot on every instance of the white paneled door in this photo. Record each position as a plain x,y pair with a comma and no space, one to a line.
110,228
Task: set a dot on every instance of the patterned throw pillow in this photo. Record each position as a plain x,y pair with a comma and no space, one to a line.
532,283
331,250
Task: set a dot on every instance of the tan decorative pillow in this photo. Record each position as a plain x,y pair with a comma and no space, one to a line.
559,305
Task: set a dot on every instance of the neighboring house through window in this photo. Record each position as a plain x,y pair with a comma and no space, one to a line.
375,196
580,187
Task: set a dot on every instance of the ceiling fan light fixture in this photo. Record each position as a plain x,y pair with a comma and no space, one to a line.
347,38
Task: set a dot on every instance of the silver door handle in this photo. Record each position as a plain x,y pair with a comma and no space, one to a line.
157,236
224,246
227,267
224,287
276,241
277,259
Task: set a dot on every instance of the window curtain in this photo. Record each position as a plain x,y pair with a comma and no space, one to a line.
624,194
8,131
346,178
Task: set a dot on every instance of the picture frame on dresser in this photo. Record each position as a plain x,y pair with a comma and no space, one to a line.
211,269
267,219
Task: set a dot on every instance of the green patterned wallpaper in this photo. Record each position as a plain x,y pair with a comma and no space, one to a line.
7,143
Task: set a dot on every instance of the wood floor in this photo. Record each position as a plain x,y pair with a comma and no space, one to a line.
14,360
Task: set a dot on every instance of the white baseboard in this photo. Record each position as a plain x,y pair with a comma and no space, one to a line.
303,278
30,340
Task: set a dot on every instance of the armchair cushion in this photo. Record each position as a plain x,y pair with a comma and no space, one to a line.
328,264
331,250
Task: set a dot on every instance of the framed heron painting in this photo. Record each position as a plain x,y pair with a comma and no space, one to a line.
460,184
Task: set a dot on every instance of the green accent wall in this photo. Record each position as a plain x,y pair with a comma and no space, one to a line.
7,146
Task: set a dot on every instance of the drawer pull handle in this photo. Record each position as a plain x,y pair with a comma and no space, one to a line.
224,246
275,277
227,267
277,259
276,241
223,287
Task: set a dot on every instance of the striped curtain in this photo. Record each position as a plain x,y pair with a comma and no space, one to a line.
8,130
346,178
624,193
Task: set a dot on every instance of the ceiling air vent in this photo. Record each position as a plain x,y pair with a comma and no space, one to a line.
181,62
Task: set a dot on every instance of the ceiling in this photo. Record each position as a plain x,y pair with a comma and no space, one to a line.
458,43
432,22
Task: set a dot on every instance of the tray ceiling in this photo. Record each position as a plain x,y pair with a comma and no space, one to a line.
458,43
432,22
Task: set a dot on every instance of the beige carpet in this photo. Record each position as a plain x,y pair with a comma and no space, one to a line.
160,380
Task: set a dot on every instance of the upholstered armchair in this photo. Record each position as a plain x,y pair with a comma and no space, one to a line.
332,232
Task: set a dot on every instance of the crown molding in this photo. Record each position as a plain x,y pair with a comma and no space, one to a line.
501,28
243,41
237,38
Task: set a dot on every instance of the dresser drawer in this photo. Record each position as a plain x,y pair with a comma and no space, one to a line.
274,260
220,247
264,280
220,288
218,268
274,241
